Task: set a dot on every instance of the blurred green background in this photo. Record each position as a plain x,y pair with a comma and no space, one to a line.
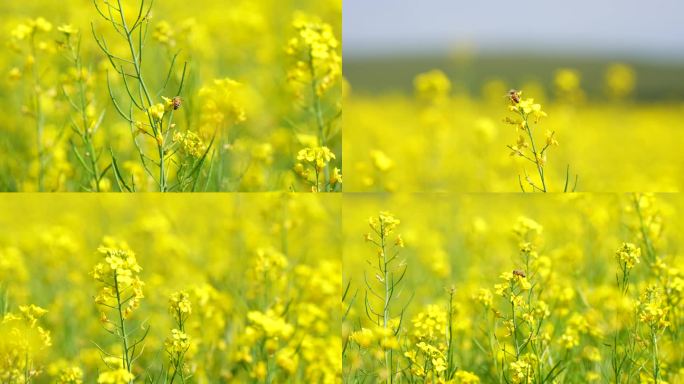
657,80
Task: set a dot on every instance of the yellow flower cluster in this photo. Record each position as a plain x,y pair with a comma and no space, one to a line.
116,376
190,143
628,255
567,80
567,85
484,296
312,162
269,265
513,284
465,377
620,80
363,337
221,107
316,51
527,229
156,112
119,276
180,306
648,222
70,375
22,31
383,224
67,29
526,108
521,372
317,157
178,343
430,362
381,161
378,337
429,336
577,325
271,324
23,343
432,87
164,34
430,325
653,309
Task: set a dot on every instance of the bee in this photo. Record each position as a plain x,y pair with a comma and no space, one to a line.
514,95
176,102
518,272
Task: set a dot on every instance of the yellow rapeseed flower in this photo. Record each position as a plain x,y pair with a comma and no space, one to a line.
67,29
156,111
432,87
628,255
118,376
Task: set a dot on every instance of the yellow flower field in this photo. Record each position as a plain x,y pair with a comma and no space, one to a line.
513,289
511,209
142,95
445,139
155,289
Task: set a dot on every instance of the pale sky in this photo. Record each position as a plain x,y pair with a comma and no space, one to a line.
608,27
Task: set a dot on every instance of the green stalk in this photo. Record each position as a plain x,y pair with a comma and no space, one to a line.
124,336
87,136
319,118
39,113
515,331
642,228
137,61
540,169
656,365
386,309
317,102
450,335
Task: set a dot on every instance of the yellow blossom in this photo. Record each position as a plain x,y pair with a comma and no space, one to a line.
118,376
67,29
432,87
628,255
178,343
156,111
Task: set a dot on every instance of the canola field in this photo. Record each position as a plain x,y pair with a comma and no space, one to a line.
513,218
110,289
445,137
512,288
143,95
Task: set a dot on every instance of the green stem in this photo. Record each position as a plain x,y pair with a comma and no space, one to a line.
540,168
93,162
450,336
386,309
642,227
87,135
319,117
317,102
137,62
318,178
38,114
27,375
656,366
515,331
122,325
162,175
